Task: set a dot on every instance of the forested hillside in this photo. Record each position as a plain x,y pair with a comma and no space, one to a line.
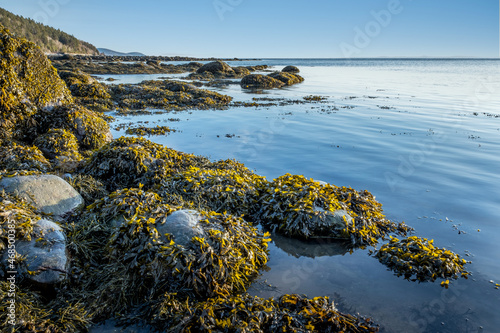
49,39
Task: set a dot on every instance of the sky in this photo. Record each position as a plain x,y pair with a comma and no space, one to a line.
277,28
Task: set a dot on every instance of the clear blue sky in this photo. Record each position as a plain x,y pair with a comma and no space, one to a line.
277,28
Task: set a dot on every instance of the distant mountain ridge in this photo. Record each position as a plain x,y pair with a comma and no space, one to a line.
50,40
116,53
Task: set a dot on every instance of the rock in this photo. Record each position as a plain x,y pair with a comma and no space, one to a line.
15,156
58,142
91,130
331,220
241,71
287,78
183,225
154,63
128,162
194,64
215,67
48,193
176,86
45,254
28,83
260,81
291,69
87,91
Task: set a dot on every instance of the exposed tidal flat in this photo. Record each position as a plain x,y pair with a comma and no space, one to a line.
171,232
421,135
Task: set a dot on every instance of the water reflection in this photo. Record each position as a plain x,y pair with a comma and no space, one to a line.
312,248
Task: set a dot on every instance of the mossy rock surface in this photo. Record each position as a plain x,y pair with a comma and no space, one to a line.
29,82
256,81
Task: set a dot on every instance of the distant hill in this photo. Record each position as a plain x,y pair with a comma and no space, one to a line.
116,53
49,39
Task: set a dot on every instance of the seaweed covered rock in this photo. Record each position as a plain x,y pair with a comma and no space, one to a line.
143,260
215,67
123,204
15,156
48,193
128,162
241,71
87,91
167,95
310,248
418,259
291,69
304,208
57,143
28,82
222,186
221,263
259,81
89,127
44,256
287,78
245,313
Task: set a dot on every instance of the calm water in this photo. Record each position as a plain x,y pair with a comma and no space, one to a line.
421,135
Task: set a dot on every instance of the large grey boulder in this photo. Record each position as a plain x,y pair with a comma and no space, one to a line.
48,193
45,254
183,225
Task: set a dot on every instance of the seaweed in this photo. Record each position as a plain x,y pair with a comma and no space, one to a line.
418,259
89,127
18,214
143,131
301,207
89,188
35,313
128,162
57,143
14,157
245,313
225,185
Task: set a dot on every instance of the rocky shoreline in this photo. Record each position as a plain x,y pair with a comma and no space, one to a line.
125,229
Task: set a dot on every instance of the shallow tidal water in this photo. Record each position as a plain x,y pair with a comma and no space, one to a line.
423,136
